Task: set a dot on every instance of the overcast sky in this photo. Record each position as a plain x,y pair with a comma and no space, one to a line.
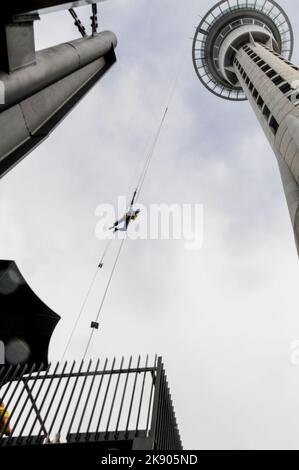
222,318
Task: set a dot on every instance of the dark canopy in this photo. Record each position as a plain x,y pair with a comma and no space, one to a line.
26,323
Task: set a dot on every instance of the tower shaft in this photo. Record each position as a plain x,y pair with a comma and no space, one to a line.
242,51
270,84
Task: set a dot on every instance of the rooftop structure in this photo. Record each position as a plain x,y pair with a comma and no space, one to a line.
124,406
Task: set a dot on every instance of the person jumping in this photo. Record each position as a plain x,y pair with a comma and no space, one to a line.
125,220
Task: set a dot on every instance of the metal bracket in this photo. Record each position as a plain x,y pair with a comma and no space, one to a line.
78,23
94,18
17,47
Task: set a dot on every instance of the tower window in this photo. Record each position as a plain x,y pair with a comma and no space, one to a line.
266,68
266,112
260,102
285,88
271,73
261,64
255,93
273,125
278,80
250,86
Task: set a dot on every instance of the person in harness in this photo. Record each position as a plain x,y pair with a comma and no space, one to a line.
4,420
125,220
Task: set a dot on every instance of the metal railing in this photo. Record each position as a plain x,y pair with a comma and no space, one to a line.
94,401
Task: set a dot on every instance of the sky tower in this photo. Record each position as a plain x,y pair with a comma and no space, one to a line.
242,51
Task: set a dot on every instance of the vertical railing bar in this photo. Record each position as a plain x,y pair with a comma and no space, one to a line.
176,429
62,396
78,401
156,399
33,405
13,393
114,396
4,378
88,397
169,417
170,423
172,419
123,398
2,370
151,397
11,382
43,402
132,398
27,399
164,433
96,398
161,418
16,404
177,436
166,415
105,398
159,414
141,397
54,395
176,440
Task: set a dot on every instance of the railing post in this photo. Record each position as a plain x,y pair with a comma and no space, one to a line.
156,404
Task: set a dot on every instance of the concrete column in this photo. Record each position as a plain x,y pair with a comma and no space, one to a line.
273,98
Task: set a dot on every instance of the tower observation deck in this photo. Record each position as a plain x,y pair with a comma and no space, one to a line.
242,51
